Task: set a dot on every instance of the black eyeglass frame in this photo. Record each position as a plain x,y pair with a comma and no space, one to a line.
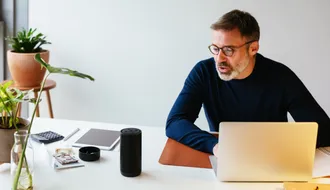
231,48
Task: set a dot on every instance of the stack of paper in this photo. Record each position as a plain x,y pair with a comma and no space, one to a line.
58,165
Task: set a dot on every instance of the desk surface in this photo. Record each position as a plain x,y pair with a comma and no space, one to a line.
105,173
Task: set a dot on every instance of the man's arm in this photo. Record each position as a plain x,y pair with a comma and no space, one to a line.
304,108
180,122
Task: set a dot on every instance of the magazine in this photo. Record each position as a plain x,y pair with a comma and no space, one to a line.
65,158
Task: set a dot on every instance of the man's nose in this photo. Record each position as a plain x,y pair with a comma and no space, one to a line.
221,57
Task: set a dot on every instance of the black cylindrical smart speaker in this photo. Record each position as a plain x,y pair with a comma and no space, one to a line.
130,152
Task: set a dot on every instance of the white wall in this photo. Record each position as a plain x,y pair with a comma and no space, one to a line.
140,52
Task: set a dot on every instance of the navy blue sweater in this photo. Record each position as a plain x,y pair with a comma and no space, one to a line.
267,94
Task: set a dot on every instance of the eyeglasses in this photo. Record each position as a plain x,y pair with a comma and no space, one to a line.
227,50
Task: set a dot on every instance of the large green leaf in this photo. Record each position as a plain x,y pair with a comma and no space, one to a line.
61,70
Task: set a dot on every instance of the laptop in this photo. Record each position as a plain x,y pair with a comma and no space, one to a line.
265,151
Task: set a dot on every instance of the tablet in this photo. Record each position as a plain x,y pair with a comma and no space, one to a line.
102,138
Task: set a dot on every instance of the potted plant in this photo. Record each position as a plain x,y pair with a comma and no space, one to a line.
18,180
9,121
23,68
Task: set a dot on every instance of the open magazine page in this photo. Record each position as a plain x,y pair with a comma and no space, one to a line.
65,158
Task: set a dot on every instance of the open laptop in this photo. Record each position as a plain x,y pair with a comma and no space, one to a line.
265,151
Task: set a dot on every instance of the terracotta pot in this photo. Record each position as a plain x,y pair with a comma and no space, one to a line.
7,139
26,71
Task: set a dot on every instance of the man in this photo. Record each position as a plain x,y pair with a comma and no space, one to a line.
239,84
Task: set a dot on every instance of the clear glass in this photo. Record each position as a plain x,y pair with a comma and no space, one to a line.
25,180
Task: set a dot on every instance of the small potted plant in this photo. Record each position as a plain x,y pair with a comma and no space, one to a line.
9,120
23,68
22,178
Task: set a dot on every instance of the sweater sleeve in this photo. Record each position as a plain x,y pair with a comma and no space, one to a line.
304,108
180,122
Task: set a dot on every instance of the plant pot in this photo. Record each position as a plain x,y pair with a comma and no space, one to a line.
7,139
24,69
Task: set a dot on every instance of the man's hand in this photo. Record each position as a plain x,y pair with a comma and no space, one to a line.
215,150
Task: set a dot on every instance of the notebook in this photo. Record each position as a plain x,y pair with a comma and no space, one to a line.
102,138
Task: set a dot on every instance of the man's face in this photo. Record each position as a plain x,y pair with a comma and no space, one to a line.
230,67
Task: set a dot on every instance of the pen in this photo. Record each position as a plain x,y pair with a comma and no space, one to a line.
71,134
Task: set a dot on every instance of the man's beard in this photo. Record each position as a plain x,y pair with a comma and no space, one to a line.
233,71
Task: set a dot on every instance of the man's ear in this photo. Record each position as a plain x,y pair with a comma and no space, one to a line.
254,47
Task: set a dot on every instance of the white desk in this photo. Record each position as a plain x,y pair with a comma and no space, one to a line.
105,173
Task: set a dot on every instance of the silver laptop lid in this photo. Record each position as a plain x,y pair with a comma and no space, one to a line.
266,151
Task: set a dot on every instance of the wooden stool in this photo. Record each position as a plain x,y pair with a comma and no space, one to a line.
50,84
